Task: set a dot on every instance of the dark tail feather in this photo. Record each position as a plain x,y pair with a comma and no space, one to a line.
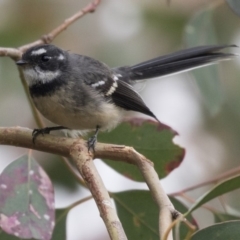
179,61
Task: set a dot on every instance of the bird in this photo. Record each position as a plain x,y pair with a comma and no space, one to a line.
81,93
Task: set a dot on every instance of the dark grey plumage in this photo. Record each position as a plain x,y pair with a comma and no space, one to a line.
79,92
179,61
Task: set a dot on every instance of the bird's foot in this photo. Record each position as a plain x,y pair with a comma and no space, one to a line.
42,131
92,143
93,140
38,131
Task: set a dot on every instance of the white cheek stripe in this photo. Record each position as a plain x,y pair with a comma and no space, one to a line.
39,51
37,75
47,76
112,89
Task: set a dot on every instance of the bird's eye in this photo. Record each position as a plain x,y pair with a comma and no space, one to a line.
45,58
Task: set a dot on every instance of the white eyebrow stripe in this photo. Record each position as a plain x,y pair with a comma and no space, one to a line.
61,57
115,77
39,51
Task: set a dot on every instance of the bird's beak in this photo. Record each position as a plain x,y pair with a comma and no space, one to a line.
21,62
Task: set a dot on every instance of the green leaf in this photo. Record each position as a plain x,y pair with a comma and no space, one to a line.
222,188
221,231
223,217
59,232
149,138
139,214
235,6
26,200
200,31
5,236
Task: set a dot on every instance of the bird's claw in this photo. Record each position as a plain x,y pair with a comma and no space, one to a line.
92,143
38,131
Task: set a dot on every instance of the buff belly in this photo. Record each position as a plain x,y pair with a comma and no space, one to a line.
69,115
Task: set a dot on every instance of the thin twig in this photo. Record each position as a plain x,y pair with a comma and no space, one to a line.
79,202
178,220
67,209
10,52
48,38
220,177
191,200
16,53
170,227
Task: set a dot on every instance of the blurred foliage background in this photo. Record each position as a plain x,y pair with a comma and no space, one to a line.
203,106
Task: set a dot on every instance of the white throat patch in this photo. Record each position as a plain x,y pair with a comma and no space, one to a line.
38,52
37,75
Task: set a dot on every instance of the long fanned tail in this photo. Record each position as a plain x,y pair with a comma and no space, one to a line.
179,61
127,98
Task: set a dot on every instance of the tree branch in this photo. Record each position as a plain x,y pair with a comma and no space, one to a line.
76,148
83,160
167,212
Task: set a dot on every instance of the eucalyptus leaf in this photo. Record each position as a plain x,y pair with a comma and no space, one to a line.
223,217
222,188
5,236
26,200
221,231
59,232
139,214
152,139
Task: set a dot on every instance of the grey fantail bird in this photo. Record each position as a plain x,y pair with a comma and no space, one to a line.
79,92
